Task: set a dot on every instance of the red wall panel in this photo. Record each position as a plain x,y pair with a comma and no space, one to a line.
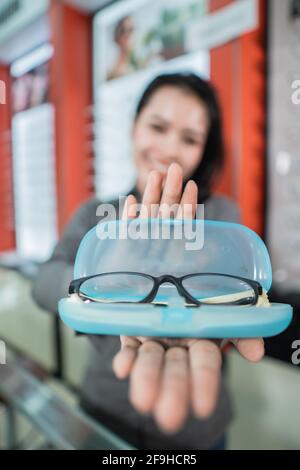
239,75
71,93
7,231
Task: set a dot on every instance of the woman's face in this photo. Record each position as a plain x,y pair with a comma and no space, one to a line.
125,38
172,127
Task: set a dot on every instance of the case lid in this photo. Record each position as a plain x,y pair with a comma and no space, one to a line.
176,247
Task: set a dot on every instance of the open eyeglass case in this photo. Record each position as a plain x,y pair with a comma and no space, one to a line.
177,248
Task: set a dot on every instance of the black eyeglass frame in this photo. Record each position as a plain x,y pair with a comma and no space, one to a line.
74,287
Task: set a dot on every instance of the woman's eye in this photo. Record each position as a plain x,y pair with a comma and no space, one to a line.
190,141
157,127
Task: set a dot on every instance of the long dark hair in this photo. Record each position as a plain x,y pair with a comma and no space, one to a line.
213,155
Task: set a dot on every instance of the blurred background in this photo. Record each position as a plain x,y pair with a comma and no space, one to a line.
61,91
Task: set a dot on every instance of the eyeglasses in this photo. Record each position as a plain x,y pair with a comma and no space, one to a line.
197,289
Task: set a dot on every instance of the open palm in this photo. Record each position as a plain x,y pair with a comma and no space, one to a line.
168,376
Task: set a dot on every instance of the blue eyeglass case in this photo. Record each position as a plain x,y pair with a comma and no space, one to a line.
175,247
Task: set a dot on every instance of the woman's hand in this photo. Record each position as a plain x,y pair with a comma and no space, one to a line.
168,376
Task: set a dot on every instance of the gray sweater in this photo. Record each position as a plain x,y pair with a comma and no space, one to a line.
100,387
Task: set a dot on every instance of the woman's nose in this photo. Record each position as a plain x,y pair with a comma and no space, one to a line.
170,150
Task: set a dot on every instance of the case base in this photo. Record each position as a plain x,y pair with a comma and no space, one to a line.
178,322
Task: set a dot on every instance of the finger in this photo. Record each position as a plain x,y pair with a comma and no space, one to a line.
130,208
188,204
151,195
252,349
145,377
173,402
123,361
172,190
205,365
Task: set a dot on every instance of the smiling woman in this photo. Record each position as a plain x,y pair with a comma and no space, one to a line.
178,120
150,392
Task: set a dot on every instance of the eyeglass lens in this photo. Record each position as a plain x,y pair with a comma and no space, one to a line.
127,287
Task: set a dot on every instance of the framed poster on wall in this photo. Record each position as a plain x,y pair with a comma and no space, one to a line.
133,42
33,156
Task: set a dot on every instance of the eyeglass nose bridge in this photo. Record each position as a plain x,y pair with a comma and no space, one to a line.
175,281
167,278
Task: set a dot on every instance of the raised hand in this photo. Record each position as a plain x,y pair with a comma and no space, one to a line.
170,376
